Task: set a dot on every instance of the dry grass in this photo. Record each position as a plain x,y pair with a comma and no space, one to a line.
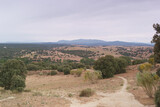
53,90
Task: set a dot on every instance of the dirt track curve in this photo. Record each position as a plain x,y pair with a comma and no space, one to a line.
121,98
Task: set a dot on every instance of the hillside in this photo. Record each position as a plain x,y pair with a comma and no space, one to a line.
95,42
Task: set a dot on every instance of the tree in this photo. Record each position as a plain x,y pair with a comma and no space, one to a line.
106,65
120,65
127,59
87,61
156,40
13,74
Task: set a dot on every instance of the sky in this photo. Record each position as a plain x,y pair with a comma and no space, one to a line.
53,20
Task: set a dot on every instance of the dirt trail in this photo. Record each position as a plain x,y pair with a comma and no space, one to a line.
9,98
121,98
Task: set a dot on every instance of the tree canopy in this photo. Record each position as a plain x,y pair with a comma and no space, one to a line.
156,40
13,75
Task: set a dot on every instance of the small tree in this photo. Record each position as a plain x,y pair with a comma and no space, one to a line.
87,61
127,60
66,70
106,65
156,40
120,65
13,74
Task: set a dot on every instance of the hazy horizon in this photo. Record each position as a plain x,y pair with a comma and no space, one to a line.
54,20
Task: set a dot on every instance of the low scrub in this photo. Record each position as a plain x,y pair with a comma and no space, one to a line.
145,67
52,72
77,72
37,94
86,92
138,61
33,67
148,81
92,76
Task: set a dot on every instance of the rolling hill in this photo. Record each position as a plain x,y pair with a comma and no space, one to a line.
95,42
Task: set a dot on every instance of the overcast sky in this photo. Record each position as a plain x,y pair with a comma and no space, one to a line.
53,20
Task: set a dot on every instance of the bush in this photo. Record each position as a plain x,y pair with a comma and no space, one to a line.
92,76
32,67
86,93
76,72
158,72
60,69
127,60
120,65
151,61
52,73
54,67
137,61
37,94
87,61
66,71
145,67
157,98
17,83
148,82
13,74
106,65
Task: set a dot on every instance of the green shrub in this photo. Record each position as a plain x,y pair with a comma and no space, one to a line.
148,82
13,74
87,61
60,69
157,98
17,83
52,73
92,76
138,61
106,65
127,60
86,93
66,71
121,64
32,67
54,67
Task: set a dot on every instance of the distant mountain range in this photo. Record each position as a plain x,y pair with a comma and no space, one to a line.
87,42
95,42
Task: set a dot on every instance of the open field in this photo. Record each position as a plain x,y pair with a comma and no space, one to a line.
77,52
63,90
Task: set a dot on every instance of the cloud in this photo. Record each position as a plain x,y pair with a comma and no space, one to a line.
53,20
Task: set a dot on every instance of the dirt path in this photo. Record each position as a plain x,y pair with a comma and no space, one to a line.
121,98
9,98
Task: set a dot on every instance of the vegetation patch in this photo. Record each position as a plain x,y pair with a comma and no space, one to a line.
37,94
92,76
86,92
